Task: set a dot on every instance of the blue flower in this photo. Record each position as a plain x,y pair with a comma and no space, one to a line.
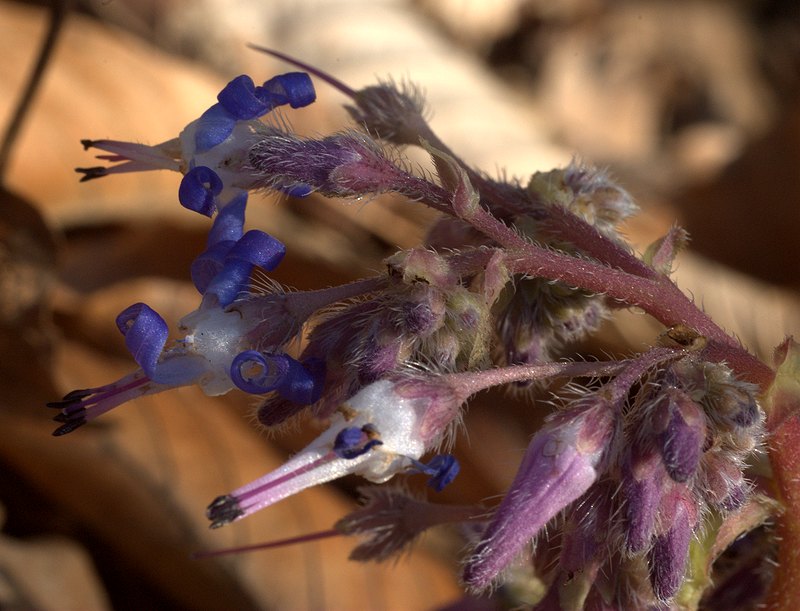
212,151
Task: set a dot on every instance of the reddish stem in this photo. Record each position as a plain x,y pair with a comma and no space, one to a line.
658,295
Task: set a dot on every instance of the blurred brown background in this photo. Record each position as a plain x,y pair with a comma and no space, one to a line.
694,106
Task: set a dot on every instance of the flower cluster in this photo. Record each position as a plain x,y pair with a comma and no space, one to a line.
622,478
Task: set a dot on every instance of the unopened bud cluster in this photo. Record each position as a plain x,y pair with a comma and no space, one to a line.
620,477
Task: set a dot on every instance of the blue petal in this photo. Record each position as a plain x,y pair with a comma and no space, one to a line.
259,373
239,99
213,127
226,230
198,189
254,248
229,223
209,264
293,88
258,248
352,442
229,283
444,468
303,382
145,335
347,439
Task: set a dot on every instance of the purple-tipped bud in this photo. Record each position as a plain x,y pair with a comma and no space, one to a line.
732,403
562,461
643,480
670,551
681,441
724,485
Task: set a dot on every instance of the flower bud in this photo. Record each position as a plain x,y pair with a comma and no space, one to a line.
682,438
670,551
562,461
643,480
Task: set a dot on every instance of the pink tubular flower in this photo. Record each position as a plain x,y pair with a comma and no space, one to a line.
378,433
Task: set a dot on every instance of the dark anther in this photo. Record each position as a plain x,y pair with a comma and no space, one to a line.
91,173
81,393
68,427
223,510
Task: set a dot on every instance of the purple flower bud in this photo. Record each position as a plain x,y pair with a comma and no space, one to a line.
732,403
643,480
381,356
587,192
586,529
681,442
562,461
723,482
670,551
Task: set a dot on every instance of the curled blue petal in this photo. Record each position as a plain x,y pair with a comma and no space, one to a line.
304,381
352,442
253,248
209,264
239,99
230,282
293,88
198,189
258,248
229,223
226,230
259,373
145,335
213,127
